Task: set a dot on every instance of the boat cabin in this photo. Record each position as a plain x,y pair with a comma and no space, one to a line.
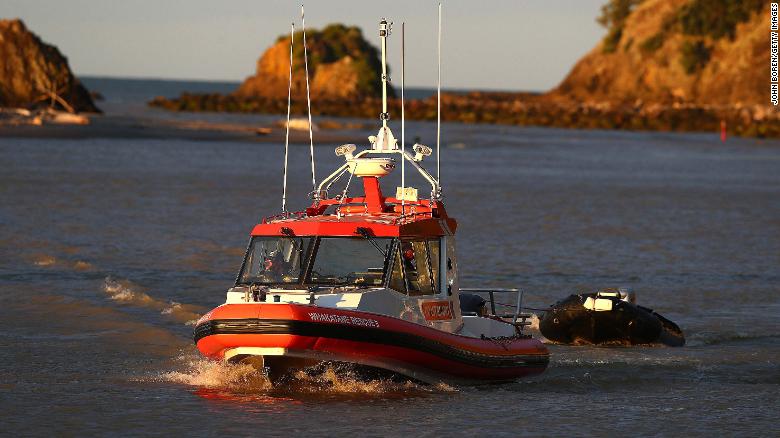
392,256
371,253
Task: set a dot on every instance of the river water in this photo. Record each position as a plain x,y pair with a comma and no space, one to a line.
111,247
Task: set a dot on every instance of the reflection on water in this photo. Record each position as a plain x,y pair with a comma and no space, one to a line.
110,247
250,402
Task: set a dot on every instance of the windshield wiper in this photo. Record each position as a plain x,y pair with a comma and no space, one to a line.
366,233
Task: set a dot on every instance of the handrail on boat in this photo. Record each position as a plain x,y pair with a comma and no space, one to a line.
491,293
283,215
413,215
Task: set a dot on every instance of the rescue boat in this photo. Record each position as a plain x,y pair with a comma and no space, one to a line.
369,280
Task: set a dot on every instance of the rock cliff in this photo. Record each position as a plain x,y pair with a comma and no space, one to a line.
342,65
33,73
711,52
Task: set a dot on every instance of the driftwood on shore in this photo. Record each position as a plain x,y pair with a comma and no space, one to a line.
36,75
23,116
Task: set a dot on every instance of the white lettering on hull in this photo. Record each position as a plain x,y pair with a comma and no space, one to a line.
343,319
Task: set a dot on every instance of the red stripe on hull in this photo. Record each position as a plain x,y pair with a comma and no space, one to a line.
374,353
297,312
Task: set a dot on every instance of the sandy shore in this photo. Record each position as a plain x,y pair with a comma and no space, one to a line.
122,126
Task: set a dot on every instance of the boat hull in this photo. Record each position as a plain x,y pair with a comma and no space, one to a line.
314,334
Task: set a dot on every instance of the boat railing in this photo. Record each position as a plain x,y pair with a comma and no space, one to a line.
284,215
412,216
519,319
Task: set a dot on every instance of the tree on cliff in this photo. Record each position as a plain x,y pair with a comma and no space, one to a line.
613,17
33,73
342,65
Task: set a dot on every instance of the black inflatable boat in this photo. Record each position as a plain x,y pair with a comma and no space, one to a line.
607,317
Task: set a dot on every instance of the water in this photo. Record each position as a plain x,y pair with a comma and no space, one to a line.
110,248
129,96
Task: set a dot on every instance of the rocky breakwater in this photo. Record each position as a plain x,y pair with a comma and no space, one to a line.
36,83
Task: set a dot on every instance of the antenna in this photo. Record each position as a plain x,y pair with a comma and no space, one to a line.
403,122
384,31
287,134
308,104
438,104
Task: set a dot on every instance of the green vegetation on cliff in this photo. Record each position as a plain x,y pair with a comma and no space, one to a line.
613,17
342,65
334,43
716,18
694,55
703,23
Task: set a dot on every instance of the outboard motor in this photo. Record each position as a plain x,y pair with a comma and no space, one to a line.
471,304
607,317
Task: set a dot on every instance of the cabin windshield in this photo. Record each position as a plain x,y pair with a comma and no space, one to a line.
350,261
274,260
324,261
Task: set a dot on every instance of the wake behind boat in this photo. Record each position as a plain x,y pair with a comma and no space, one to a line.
369,280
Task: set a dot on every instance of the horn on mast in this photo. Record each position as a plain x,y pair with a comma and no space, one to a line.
287,134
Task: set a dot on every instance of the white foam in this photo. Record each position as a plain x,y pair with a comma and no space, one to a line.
129,293
205,373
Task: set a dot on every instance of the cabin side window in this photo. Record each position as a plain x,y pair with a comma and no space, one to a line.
420,262
397,275
435,256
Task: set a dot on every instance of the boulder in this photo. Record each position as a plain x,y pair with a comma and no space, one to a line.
342,66
34,74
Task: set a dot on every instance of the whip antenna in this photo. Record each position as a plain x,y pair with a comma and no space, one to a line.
384,32
438,104
403,124
287,134
308,105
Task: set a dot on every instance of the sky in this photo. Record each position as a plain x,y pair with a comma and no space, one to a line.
525,45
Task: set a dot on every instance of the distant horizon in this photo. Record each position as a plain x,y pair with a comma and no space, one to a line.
508,46
238,82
